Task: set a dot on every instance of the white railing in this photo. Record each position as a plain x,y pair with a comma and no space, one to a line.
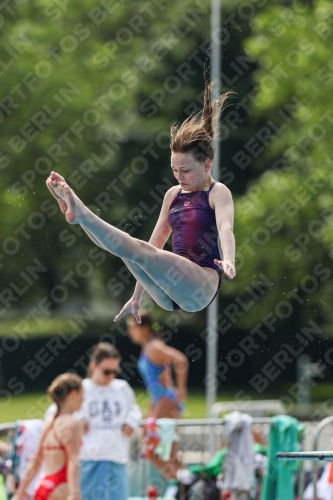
199,438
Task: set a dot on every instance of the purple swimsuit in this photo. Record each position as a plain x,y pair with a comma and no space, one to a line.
194,230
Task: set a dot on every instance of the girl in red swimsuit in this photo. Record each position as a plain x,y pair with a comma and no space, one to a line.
59,445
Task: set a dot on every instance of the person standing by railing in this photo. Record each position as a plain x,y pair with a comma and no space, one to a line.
156,363
111,415
59,445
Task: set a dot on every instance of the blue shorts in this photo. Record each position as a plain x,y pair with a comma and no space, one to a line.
103,480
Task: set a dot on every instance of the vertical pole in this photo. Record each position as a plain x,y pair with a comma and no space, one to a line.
212,312
304,375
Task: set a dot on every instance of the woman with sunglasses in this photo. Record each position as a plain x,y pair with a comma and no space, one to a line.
112,415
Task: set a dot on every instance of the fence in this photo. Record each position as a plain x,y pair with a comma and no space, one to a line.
199,438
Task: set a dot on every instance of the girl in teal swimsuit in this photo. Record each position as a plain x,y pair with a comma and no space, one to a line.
155,364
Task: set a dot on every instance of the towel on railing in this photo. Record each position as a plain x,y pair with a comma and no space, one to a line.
278,481
238,467
168,435
158,437
26,445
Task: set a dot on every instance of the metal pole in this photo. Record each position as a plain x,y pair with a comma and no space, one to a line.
304,375
212,312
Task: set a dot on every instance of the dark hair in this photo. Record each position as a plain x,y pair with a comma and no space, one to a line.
101,351
147,319
197,133
62,386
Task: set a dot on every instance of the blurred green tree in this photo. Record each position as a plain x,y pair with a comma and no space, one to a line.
90,91
284,223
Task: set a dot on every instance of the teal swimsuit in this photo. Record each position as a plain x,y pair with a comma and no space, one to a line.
150,373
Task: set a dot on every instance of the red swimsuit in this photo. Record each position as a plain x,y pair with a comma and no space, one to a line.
49,483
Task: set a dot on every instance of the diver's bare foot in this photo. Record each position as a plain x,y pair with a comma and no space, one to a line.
69,203
62,203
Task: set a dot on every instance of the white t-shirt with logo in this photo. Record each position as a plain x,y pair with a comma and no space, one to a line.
106,408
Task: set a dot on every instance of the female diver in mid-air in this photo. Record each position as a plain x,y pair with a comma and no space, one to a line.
197,213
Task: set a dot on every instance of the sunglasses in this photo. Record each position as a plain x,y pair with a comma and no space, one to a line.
109,372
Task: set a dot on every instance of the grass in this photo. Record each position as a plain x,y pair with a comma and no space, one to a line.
33,405
28,406
23,407
322,392
33,329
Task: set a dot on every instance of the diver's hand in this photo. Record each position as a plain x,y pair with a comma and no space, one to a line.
132,306
227,267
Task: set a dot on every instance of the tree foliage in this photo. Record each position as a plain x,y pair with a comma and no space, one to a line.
90,90
284,221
